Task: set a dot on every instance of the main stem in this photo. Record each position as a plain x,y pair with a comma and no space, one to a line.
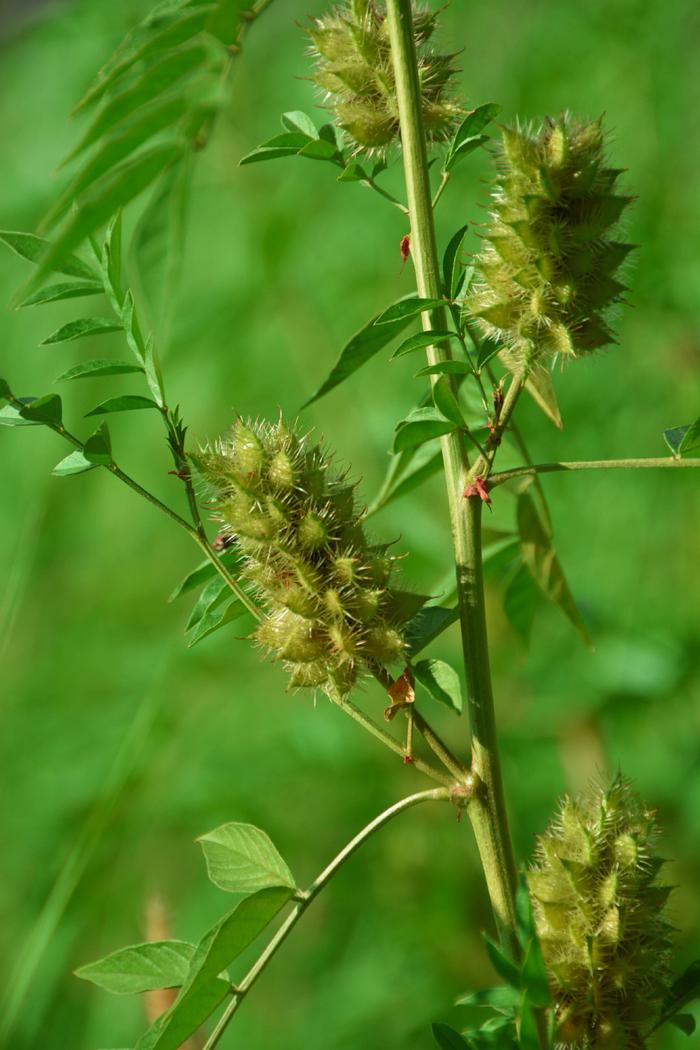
487,811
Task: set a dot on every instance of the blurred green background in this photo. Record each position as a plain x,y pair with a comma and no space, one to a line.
119,746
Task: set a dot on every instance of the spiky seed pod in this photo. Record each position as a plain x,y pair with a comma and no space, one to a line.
330,609
599,914
547,271
353,68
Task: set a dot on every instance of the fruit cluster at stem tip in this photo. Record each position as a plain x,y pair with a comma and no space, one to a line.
330,611
546,273
599,914
354,70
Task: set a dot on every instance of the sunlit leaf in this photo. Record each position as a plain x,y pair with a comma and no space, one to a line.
141,967
420,426
441,681
241,858
54,293
124,403
74,463
362,348
421,340
80,329
298,121
102,367
406,308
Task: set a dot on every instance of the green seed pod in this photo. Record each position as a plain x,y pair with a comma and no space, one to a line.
352,51
328,614
598,912
547,272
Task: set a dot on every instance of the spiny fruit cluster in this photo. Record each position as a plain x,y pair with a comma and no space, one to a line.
599,915
547,268
353,67
330,611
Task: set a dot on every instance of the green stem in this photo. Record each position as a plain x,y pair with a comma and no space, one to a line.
488,809
385,738
372,185
305,899
653,463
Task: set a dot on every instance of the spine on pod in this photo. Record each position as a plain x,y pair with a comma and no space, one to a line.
331,609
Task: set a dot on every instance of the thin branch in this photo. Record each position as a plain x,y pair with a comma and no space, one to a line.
441,188
305,899
664,462
389,741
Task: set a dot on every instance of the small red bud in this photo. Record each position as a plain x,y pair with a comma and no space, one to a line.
478,488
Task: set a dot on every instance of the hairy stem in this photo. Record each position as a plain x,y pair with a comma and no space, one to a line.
305,899
488,808
653,463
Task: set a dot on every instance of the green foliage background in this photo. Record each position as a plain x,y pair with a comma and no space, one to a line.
118,746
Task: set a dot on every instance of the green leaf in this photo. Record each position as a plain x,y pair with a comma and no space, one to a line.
362,348
441,681
214,619
353,172
408,307
212,595
427,625
110,193
224,942
528,1037
121,144
203,572
98,447
541,560
445,368
446,402
686,1023
154,375
81,328
534,975
319,149
10,415
520,602
182,30
46,410
34,249
421,340
421,425
102,367
298,121
162,75
241,858
124,403
465,148
141,967
5,391
488,348
502,998
682,440
504,967
447,1039
472,126
406,472
54,293
452,266
288,144
685,988
74,463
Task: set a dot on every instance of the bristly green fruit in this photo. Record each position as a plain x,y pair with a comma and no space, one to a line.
599,915
353,68
547,272
330,610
